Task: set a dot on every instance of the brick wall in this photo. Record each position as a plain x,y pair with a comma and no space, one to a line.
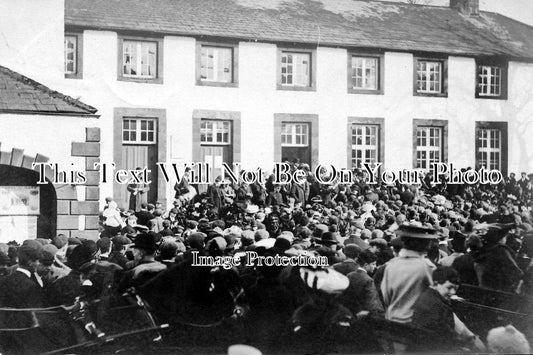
77,205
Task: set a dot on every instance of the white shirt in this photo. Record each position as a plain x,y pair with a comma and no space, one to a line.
28,273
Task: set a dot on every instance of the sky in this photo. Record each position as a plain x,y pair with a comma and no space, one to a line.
521,10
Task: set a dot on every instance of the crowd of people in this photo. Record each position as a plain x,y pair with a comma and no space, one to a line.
397,252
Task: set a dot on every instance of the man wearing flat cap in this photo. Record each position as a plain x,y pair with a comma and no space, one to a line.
21,289
408,275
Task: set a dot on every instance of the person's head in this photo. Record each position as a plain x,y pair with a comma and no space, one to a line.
367,260
104,245
60,241
445,281
416,238
416,244
190,224
168,250
47,259
458,242
352,251
377,245
30,254
196,240
82,255
145,245
131,220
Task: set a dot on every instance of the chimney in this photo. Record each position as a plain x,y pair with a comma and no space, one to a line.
467,7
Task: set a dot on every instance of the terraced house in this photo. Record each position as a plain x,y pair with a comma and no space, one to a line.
258,81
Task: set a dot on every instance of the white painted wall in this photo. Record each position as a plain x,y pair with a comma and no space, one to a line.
50,136
257,99
31,42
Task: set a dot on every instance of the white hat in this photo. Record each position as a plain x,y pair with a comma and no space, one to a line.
327,280
507,340
267,243
241,349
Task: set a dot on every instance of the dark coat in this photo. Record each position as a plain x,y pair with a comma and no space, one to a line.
259,193
216,194
300,192
432,312
464,264
138,195
345,267
361,294
181,187
497,269
140,274
435,315
144,217
19,291
65,290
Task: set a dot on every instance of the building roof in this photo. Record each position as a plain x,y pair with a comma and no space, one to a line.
19,94
344,23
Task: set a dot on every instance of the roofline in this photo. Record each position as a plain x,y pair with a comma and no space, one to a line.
45,113
510,19
147,33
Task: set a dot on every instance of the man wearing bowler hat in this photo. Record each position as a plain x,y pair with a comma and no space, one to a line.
147,267
408,275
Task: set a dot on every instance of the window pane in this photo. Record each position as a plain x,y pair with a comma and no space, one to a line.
71,44
364,73
364,144
294,134
216,64
295,69
429,79
139,59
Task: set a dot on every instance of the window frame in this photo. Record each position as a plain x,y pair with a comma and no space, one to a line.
379,122
428,148
78,74
158,79
234,47
380,73
215,131
294,134
138,130
313,141
444,75
233,116
504,70
443,125
312,70
504,132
